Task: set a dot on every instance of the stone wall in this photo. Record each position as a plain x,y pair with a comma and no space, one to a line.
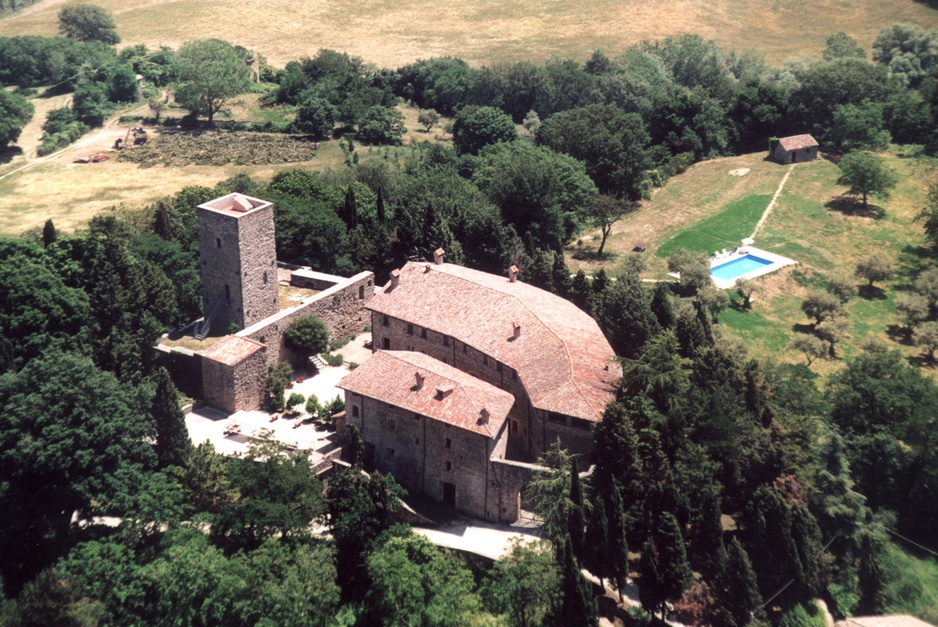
786,156
184,366
259,282
424,455
341,307
238,262
233,387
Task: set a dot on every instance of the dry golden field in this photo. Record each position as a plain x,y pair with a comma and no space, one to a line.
389,33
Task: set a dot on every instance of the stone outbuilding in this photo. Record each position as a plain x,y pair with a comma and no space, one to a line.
794,149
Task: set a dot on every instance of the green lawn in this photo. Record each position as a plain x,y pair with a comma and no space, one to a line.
912,584
721,230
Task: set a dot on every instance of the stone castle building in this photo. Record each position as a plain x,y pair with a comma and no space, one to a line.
475,376
241,287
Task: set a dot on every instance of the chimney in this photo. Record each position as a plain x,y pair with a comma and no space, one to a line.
438,256
444,390
516,330
483,416
395,278
419,377
513,274
426,268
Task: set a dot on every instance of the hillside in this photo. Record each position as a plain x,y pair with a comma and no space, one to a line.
389,34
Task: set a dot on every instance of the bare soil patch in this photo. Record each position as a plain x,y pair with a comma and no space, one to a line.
220,148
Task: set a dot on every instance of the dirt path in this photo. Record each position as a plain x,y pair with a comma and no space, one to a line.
768,209
99,140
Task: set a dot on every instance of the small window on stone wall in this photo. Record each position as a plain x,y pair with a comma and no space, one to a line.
449,465
354,411
465,349
445,340
384,321
361,292
410,329
485,360
265,277
423,334
448,444
217,242
498,366
390,453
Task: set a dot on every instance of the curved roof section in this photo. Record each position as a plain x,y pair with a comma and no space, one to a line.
561,356
444,393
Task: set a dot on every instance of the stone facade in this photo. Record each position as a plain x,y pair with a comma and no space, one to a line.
795,149
341,306
234,374
530,431
238,257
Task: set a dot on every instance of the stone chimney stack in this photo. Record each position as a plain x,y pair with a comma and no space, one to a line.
426,268
483,416
516,330
139,79
419,377
438,256
513,274
444,390
395,278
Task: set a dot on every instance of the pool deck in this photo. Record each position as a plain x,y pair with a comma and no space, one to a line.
777,262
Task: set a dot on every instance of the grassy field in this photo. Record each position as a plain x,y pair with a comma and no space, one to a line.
392,33
708,209
912,584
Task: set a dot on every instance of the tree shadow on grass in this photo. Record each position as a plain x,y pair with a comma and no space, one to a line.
922,361
871,292
7,155
582,254
803,328
852,206
899,334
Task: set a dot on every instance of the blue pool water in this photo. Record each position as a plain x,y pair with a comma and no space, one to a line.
738,267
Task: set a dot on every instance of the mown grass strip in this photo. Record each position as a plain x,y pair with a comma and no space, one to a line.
722,230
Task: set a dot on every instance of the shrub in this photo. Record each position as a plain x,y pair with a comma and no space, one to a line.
295,399
278,378
333,360
308,333
313,407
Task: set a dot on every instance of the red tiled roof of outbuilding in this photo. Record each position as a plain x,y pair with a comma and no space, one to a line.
561,356
797,142
446,393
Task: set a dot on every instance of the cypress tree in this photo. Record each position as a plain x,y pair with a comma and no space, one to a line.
672,558
172,438
618,547
708,554
597,540
600,280
350,208
382,216
576,519
353,452
661,306
48,233
560,275
580,291
650,584
577,606
870,572
736,588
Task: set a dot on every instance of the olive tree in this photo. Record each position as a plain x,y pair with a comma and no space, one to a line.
877,267
866,174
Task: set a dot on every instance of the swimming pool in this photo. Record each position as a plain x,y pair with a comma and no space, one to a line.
738,267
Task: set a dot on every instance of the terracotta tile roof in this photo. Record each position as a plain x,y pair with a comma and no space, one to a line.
897,620
797,142
447,394
232,349
562,358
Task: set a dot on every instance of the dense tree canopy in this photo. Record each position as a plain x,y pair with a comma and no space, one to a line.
88,22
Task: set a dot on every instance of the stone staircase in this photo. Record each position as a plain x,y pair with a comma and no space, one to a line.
317,361
201,331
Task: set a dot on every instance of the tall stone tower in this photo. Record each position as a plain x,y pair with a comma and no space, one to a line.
239,262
